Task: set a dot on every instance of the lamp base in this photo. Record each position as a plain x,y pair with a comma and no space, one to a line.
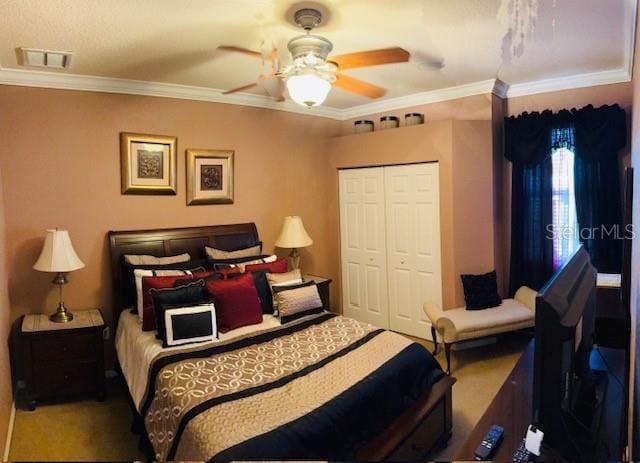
294,259
62,315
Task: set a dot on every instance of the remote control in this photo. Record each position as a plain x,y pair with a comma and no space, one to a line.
522,454
490,442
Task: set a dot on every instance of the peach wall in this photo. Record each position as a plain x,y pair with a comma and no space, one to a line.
60,153
6,397
500,177
465,171
477,107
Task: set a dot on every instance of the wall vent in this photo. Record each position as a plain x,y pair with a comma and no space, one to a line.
45,58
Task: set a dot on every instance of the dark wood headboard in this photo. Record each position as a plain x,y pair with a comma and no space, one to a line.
172,241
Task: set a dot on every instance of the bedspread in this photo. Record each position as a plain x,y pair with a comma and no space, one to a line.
318,388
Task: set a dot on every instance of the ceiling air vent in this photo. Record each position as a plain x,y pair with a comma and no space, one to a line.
45,58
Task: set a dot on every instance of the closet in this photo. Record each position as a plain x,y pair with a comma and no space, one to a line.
390,245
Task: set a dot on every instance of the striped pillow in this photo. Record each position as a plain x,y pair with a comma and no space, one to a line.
298,302
282,279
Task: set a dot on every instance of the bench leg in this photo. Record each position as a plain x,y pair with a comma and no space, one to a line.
447,353
435,340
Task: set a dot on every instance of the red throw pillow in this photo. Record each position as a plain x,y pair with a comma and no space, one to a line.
237,302
148,283
279,266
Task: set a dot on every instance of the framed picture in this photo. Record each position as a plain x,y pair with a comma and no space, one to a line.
148,164
209,177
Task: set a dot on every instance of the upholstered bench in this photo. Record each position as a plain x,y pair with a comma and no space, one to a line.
455,325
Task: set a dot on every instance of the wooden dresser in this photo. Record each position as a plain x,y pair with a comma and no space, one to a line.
60,361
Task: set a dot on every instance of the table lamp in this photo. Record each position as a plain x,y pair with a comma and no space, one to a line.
293,236
59,257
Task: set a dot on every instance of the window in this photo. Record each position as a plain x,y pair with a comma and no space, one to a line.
565,222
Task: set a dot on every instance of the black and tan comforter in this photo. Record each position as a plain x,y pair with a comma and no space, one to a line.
313,389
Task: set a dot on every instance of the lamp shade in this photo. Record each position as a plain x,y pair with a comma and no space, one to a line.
58,254
293,234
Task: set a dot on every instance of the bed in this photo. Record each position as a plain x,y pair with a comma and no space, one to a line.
322,387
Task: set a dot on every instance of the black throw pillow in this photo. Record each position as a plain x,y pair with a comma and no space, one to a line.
264,293
192,293
129,282
481,291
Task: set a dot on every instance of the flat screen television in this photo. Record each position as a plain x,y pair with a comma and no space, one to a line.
566,391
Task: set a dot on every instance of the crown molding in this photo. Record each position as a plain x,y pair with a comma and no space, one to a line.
630,35
44,79
422,98
613,76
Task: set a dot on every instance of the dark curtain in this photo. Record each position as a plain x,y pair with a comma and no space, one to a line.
599,136
531,250
596,136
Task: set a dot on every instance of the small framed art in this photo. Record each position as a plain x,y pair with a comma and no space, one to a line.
209,177
148,164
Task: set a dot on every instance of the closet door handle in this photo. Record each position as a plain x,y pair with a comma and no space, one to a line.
402,262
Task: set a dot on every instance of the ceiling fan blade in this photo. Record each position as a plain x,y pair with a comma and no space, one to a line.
240,89
244,51
371,58
359,87
274,86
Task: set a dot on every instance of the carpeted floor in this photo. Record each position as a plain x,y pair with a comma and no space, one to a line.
100,431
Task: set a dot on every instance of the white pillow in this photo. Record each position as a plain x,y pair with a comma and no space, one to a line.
282,279
219,254
145,259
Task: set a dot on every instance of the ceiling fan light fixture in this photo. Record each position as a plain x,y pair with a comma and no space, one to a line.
308,89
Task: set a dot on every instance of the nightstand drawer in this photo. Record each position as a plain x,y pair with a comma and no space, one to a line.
76,347
64,379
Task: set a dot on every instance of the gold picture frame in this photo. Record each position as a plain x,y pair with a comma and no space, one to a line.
209,176
148,164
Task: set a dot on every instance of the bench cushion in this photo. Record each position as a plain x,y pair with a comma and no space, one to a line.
461,324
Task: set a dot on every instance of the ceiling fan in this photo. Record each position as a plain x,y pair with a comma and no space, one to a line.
312,73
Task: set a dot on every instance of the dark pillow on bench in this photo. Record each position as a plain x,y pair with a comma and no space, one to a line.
481,291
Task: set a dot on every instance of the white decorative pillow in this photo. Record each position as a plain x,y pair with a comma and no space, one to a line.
219,254
139,274
298,301
186,325
282,279
144,259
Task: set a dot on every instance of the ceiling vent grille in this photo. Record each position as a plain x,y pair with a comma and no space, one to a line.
45,58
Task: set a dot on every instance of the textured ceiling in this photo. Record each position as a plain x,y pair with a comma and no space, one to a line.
462,41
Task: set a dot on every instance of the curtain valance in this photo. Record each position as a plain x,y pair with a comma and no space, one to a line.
599,133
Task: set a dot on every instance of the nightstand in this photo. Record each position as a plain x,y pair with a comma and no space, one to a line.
61,360
323,289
